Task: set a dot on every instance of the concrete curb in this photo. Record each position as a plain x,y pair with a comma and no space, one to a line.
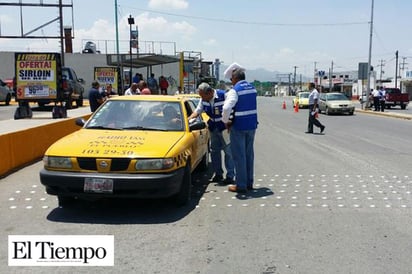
385,113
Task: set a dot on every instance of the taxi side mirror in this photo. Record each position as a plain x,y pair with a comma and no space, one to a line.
197,126
80,122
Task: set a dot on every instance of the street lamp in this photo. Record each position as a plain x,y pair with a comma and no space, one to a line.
130,21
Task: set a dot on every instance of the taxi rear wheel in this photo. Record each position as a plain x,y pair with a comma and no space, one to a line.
183,197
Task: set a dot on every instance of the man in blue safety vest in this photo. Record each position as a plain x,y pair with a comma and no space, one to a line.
242,98
212,103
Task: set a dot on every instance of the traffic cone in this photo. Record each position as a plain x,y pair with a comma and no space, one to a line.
284,105
296,107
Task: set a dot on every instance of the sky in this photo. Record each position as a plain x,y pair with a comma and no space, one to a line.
281,36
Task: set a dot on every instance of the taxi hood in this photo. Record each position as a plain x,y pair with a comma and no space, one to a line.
115,143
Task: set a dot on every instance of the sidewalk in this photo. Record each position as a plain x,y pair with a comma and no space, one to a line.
395,113
39,119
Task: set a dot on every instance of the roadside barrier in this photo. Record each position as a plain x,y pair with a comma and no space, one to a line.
25,146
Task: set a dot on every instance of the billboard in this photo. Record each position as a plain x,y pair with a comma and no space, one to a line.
108,76
37,75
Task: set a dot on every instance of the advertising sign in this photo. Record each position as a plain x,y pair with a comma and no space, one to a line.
37,75
108,76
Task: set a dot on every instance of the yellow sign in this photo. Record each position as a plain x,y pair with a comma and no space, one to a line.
37,75
107,76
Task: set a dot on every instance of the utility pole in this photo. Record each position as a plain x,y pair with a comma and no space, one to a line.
330,77
294,77
61,31
289,84
396,70
402,66
381,65
315,73
368,88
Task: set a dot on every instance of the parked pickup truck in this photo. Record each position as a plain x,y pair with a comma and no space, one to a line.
394,97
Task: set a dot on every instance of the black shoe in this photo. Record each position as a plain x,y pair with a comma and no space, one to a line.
216,178
234,188
250,188
228,181
322,129
309,132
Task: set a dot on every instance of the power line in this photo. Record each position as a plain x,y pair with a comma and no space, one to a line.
252,22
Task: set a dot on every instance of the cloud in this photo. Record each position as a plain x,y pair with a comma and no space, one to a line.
158,28
210,42
168,4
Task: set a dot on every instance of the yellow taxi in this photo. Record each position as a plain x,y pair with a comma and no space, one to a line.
138,146
302,99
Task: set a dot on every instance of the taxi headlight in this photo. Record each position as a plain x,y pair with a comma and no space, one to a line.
57,162
154,164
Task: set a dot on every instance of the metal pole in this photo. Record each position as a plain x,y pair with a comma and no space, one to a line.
396,70
130,55
121,87
130,20
117,32
314,73
331,77
61,30
294,79
368,88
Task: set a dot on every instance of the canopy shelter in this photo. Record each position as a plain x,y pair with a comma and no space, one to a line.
140,60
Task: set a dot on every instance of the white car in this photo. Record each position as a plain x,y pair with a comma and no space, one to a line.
335,102
5,93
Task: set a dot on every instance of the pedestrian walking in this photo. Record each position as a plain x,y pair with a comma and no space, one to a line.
313,109
242,99
95,96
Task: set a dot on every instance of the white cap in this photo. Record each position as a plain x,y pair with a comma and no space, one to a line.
232,67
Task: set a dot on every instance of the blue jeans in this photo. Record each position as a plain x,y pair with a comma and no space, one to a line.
217,144
241,143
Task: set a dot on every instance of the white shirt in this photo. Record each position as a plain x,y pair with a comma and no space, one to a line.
130,92
313,95
230,102
376,93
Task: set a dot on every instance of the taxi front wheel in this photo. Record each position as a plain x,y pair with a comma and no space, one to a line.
183,197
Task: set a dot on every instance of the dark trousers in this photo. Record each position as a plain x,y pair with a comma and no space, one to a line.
312,120
376,103
382,105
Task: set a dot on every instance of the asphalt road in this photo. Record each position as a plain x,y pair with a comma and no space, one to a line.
338,202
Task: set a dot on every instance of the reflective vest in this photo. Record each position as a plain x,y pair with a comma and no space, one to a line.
245,110
215,112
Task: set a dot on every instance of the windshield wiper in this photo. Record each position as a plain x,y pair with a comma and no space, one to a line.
144,128
103,127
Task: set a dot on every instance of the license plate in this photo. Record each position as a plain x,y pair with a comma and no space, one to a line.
97,185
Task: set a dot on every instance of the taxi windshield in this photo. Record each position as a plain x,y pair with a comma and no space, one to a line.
138,115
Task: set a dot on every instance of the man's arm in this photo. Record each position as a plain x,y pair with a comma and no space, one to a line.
230,102
197,112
